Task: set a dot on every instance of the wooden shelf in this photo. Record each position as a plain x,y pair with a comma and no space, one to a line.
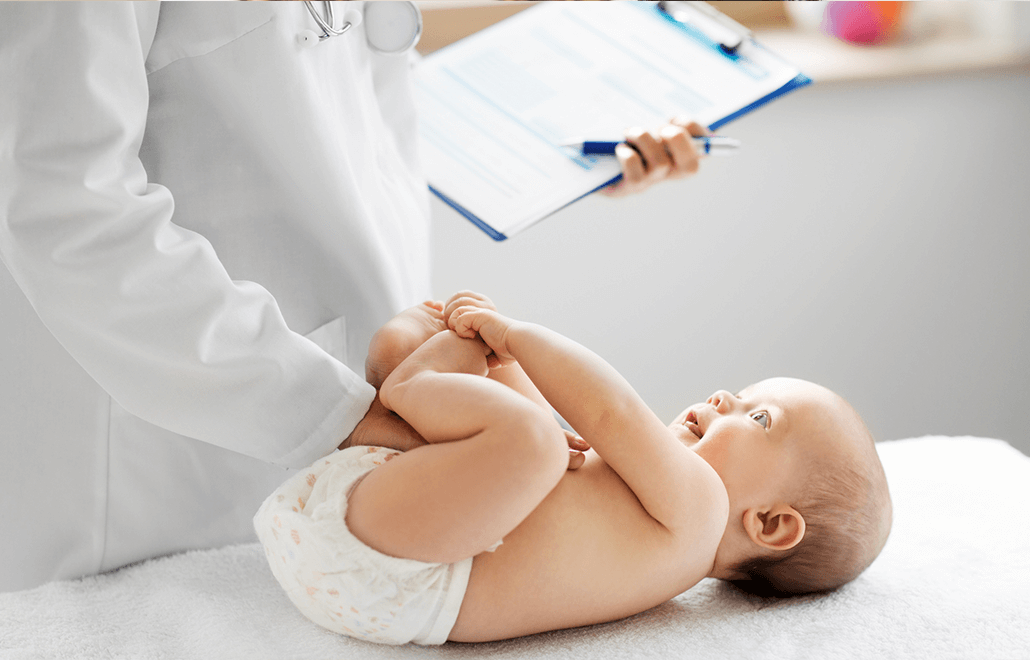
820,56
826,59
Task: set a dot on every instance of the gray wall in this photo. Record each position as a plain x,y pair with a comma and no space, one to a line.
873,237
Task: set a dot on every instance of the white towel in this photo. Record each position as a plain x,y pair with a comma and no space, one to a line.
952,582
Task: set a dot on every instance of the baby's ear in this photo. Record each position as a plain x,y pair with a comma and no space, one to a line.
776,527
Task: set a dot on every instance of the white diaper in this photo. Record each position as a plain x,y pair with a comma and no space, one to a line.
339,582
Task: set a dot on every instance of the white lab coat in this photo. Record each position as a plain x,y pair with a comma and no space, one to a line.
211,220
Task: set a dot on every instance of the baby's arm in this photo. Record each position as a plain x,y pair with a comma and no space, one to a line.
674,485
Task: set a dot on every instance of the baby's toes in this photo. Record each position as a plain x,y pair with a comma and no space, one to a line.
403,334
428,318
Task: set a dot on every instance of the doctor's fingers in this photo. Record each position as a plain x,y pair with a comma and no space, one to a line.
691,126
682,152
644,160
634,173
657,162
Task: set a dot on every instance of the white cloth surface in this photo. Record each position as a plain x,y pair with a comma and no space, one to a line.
952,582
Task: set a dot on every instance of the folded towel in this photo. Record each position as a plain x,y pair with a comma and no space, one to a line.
952,582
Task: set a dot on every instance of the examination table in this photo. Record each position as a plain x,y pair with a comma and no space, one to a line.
952,582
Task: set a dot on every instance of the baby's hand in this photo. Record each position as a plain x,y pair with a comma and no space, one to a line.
469,321
466,298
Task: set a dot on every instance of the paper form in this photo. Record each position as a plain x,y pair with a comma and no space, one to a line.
495,106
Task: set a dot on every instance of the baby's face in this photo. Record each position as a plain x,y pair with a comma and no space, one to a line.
758,439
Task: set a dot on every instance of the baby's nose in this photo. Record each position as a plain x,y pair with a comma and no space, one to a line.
720,401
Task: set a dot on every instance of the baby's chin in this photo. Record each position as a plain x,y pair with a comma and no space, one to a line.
694,449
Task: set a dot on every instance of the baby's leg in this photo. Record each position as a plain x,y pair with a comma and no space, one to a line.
493,457
399,337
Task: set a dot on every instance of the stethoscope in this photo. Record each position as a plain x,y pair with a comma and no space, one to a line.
391,28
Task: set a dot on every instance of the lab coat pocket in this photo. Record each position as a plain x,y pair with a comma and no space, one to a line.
193,30
332,338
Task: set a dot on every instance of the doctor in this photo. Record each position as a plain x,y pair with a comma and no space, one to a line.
203,220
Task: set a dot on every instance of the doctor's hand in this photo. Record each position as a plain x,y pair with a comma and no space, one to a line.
383,428
669,154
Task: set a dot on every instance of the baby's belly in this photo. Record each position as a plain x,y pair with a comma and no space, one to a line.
587,554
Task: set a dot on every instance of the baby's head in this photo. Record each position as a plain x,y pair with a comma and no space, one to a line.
809,505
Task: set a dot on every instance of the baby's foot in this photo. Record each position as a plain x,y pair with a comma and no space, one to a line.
399,337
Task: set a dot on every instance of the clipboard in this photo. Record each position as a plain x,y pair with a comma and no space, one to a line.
495,107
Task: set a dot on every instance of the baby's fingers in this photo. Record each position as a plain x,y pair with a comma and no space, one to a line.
494,362
464,322
575,441
467,299
576,448
491,328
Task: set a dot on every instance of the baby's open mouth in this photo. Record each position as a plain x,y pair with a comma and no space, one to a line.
690,421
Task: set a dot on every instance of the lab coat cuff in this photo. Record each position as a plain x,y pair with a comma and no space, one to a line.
335,428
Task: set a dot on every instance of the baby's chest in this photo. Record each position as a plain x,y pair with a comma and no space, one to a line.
588,553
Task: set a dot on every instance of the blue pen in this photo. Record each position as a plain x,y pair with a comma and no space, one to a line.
715,145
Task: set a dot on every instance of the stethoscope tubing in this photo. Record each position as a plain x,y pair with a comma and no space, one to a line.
328,27
326,21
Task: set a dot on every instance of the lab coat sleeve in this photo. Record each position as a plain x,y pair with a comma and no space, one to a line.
143,305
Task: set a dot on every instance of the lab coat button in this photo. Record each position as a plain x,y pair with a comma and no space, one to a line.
307,38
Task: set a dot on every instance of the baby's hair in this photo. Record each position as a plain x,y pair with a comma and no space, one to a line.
847,512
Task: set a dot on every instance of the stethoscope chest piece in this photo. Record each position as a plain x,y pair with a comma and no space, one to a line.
391,28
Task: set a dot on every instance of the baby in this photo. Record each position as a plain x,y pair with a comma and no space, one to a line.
776,488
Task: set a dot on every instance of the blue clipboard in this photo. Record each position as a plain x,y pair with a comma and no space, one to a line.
696,21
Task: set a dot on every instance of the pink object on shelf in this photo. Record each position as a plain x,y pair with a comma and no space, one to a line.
863,22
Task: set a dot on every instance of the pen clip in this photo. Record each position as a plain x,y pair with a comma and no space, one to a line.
717,26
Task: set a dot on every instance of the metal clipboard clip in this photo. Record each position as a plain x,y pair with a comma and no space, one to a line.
717,26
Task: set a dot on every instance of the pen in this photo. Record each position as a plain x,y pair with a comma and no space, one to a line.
715,145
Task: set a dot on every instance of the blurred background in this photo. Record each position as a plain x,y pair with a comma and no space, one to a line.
873,236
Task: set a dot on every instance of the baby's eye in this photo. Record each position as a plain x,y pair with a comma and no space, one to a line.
761,417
